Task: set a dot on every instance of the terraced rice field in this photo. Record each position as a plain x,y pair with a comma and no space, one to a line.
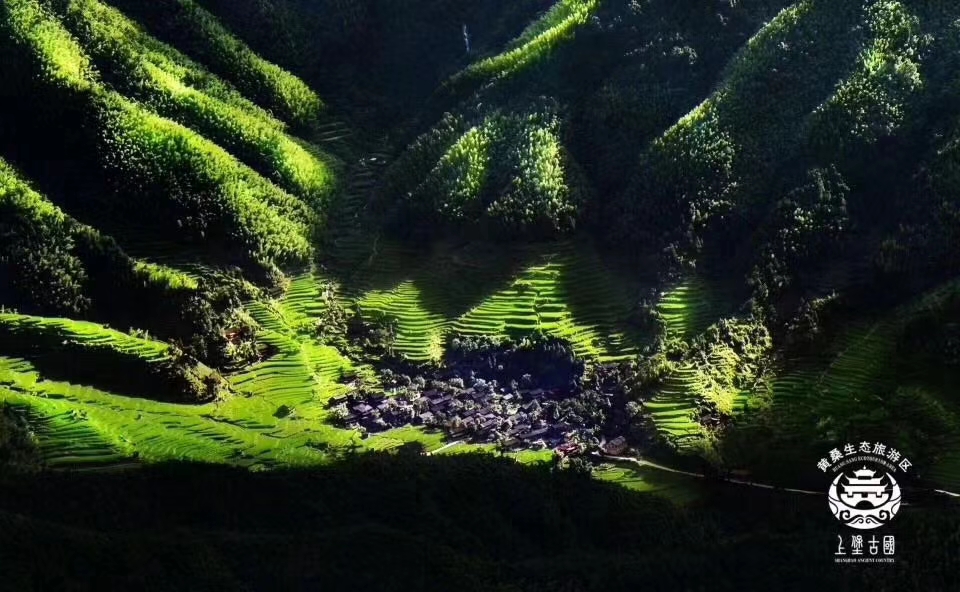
419,333
846,384
687,309
674,408
279,412
564,292
278,416
84,333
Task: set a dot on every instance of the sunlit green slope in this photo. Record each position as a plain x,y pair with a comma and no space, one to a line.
753,203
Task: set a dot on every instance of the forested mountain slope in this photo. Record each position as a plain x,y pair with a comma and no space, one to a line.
343,242
750,207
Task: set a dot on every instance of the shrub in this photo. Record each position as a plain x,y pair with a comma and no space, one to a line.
687,177
730,356
460,176
18,446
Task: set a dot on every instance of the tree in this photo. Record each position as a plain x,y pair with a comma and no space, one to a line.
502,447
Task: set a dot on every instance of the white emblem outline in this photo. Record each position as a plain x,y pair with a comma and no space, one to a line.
883,500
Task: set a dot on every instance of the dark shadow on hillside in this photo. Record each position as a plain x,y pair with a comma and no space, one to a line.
377,263
456,278
606,291
407,522
53,151
886,379
56,150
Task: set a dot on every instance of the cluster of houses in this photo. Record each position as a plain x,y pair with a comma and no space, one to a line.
482,412
533,394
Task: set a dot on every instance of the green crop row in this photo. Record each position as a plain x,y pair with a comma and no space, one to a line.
176,87
161,175
201,35
94,354
535,43
56,54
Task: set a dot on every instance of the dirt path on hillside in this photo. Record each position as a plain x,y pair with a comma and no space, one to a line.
642,462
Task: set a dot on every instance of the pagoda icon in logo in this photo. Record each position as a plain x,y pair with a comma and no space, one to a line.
864,499
863,487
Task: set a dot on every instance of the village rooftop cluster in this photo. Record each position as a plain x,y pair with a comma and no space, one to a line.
476,410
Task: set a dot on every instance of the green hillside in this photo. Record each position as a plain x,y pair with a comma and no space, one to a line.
224,226
329,294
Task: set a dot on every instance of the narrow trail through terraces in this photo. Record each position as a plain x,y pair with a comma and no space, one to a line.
644,463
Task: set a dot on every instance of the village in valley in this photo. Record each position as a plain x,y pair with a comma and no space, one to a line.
480,400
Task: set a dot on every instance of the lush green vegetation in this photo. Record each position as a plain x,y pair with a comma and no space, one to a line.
203,37
179,88
509,175
739,218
